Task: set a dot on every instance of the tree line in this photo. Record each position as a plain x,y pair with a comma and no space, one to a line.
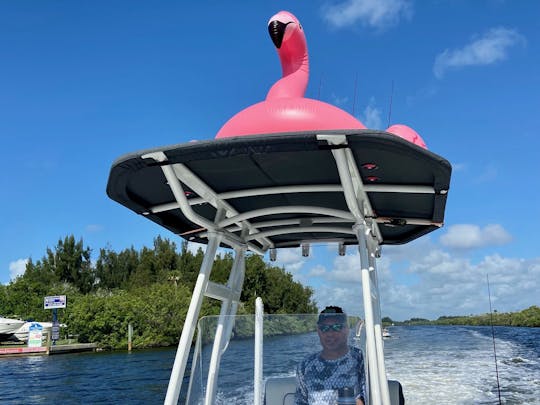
149,288
529,317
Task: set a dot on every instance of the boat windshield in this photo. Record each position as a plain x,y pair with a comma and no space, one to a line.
287,341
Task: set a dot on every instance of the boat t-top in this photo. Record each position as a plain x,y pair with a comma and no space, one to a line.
283,173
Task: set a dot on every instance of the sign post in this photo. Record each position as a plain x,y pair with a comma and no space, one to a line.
54,302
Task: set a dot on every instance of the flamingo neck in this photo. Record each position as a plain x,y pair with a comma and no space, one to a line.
295,71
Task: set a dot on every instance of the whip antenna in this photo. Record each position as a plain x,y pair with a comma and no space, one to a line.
390,109
320,85
354,97
493,337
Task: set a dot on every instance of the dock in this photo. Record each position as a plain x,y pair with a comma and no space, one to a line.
73,348
44,350
24,350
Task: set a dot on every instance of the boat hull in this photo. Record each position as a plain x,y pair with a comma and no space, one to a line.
9,326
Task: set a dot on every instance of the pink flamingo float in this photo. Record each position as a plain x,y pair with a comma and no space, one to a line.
285,108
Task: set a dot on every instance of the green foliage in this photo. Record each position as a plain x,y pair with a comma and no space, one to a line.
387,321
289,324
113,270
280,293
528,317
150,288
70,263
275,324
153,312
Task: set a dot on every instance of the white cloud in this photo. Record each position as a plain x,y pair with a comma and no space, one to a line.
317,271
459,167
17,268
490,48
372,13
428,281
347,298
489,174
468,236
423,93
455,286
341,285
291,259
339,100
94,228
478,175
372,116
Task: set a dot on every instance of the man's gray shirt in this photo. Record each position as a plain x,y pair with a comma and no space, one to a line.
318,380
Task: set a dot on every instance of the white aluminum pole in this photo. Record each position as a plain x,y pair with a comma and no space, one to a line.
378,333
224,324
317,188
258,373
236,286
358,204
201,188
182,354
375,396
178,192
286,209
215,359
354,202
194,360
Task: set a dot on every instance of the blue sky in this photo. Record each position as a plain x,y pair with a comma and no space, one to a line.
82,83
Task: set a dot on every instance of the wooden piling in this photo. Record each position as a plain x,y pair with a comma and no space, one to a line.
130,334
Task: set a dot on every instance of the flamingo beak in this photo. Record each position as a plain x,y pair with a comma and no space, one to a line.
276,29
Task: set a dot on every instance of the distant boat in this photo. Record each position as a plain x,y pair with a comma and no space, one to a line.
9,326
386,333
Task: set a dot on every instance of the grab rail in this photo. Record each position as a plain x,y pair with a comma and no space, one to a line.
258,373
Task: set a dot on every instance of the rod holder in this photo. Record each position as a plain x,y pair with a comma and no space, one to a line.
273,254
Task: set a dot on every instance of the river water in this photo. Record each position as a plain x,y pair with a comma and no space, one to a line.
436,365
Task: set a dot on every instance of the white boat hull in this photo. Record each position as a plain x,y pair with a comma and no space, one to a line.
9,326
22,333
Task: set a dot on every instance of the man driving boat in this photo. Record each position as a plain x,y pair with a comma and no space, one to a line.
336,373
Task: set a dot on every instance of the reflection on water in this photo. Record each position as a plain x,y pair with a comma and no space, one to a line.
140,377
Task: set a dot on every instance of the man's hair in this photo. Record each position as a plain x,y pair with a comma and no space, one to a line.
332,312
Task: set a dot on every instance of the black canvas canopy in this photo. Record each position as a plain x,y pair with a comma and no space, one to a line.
283,190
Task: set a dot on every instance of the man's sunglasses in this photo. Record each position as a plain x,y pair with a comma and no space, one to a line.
336,327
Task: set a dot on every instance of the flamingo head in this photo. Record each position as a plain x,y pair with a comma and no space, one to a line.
288,37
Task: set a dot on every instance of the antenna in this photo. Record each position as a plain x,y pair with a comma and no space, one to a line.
320,85
493,337
390,109
354,97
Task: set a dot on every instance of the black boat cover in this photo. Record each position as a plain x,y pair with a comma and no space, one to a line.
395,176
